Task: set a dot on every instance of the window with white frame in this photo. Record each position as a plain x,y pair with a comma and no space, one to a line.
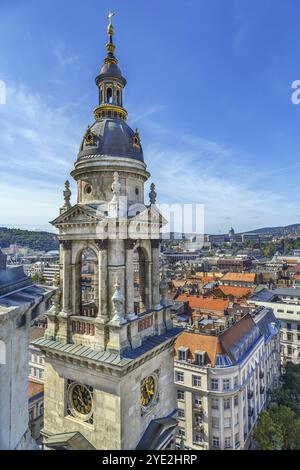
236,400
215,422
196,380
180,395
180,414
236,381
179,376
183,354
181,432
227,403
197,401
215,403
227,442
214,383
227,423
216,442
226,384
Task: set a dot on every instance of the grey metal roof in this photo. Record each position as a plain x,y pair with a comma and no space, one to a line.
113,137
264,295
12,279
287,292
107,357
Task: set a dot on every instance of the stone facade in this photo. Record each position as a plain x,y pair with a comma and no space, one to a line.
17,309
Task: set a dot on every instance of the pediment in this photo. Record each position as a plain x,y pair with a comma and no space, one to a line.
151,214
78,214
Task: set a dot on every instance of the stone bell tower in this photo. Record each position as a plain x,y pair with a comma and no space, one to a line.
109,342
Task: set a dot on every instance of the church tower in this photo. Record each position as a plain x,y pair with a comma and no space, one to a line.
109,342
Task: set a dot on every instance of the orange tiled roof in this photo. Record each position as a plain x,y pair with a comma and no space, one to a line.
240,277
237,292
202,303
34,388
197,342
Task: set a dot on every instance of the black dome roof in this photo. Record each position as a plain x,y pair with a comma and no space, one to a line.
112,137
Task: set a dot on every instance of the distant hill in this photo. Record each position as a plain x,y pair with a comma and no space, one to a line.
277,231
42,241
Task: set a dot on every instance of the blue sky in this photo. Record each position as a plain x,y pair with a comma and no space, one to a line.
209,87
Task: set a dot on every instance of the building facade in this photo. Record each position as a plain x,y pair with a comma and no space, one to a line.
109,361
285,303
20,303
223,380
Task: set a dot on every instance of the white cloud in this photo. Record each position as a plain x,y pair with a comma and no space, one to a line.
39,142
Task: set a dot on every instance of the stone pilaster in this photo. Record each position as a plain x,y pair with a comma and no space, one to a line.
129,282
103,313
66,278
155,274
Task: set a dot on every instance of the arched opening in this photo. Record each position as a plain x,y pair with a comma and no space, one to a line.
89,284
109,95
141,281
119,97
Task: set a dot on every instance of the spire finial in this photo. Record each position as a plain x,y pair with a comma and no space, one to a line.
110,45
111,14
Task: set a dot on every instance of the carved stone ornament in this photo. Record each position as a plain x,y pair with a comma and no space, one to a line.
164,287
152,194
118,302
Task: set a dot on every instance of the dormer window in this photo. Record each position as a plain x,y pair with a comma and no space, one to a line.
200,357
183,354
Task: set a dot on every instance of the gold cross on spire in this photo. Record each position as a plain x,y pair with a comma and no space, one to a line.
111,14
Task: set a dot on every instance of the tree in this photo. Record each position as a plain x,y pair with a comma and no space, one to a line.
267,434
286,420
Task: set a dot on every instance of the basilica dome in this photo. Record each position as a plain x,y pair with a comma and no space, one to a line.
111,137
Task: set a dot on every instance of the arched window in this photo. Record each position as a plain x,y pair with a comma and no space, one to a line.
118,97
109,95
89,284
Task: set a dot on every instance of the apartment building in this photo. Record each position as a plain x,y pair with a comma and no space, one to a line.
36,357
239,280
286,306
223,378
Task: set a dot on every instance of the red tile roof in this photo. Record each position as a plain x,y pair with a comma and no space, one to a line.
34,388
203,303
239,277
197,342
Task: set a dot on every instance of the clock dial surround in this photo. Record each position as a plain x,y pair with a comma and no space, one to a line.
149,390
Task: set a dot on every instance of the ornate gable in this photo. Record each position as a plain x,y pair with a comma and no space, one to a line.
78,214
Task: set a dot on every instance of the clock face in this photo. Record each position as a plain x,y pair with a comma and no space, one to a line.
81,399
148,391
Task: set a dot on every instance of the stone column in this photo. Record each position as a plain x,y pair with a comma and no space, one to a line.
129,281
67,278
148,286
103,313
76,288
116,269
155,274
